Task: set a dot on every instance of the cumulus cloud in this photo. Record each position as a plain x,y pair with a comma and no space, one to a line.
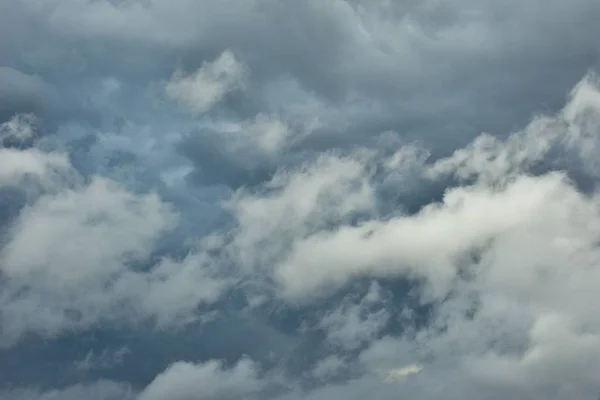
65,242
505,255
434,242
80,252
497,320
297,203
360,198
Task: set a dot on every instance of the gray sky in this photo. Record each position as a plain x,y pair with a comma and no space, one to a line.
320,199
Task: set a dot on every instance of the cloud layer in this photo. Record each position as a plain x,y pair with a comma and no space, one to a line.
327,199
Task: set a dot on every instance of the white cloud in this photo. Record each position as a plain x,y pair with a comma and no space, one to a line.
520,319
29,165
18,165
203,89
64,253
80,254
297,203
80,233
574,130
510,261
429,244
173,290
323,252
204,381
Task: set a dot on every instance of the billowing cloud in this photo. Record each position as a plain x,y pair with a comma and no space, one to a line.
329,199
434,242
81,252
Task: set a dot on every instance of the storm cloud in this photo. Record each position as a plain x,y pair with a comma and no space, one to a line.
320,199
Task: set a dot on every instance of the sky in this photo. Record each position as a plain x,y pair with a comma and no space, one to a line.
299,200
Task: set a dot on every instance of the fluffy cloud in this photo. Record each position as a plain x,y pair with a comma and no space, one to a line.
509,258
81,252
20,162
434,242
18,165
297,203
366,197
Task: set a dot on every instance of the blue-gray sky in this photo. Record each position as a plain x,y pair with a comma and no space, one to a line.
299,200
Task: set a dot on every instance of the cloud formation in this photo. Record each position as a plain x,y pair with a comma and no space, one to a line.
329,199
80,252
203,89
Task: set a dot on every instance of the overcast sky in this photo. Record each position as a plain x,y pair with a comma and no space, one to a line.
299,200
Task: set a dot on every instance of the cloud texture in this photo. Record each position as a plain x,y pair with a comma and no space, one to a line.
327,199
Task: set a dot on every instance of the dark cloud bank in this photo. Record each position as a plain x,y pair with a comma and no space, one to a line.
320,199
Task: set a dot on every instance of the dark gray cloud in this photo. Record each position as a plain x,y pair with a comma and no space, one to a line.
299,200
21,93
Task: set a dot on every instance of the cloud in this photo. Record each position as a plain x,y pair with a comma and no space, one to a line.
400,374
353,324
182,381
99,227
80,253
339,193
70,262
297,203
203,89
103,390
18,165
105,360
22,93
239,154
433,242
19,130
510,314
504,257
27,167
573,130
